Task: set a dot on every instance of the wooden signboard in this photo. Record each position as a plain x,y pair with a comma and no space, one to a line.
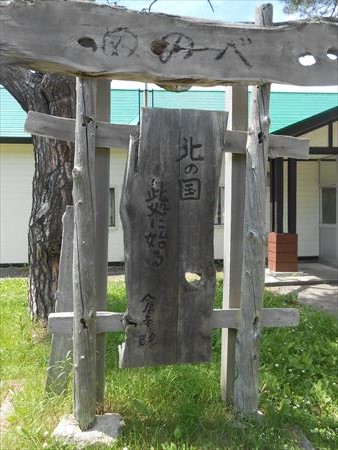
167,209
88,39
172,175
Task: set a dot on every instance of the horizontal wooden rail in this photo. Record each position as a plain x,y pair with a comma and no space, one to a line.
117,136
107,322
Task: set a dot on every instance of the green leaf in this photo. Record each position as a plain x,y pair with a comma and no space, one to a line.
141,407
177,433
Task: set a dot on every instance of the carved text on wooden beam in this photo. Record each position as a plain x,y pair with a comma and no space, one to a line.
111,42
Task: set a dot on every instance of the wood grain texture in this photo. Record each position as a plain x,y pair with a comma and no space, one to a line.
167,211
106,322
61,353
85,39
109,322
84,288
252,283
271,317
107,135
102,179
279,146
117,136
234,190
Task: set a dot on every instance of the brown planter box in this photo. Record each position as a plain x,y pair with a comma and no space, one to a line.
283,252
282,257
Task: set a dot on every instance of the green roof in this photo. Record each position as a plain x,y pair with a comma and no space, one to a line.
286,108
125,104
12,117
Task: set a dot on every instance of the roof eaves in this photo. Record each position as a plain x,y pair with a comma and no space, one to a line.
15,140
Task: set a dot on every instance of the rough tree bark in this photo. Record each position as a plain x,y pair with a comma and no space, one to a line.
52,182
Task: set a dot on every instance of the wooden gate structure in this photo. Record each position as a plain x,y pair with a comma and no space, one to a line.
172,175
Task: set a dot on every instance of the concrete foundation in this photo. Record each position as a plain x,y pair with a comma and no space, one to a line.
104,432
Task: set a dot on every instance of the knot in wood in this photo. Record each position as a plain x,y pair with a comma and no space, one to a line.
76,173
261,137
252,234
128,320
266,121
84,324
86,120
158,46
87,42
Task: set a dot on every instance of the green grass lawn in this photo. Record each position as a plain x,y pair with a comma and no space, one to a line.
179,407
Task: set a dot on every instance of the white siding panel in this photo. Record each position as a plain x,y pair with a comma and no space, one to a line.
318,138
328,173
218,242
16,175
308,208
115,237
335,134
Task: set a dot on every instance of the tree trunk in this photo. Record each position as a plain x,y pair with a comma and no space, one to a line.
52,182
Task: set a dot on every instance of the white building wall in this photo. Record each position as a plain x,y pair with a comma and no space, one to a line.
308,208
16,175
115,237
328,173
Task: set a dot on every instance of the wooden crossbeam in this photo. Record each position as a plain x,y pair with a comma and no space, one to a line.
285,147
88,39
107,135
117,136
108,322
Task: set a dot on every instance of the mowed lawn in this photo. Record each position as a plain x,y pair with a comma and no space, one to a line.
180,407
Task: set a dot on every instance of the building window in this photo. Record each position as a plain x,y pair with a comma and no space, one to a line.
219,216
329,202
112,207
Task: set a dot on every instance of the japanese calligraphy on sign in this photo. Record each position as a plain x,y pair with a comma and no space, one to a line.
191,157
167,209
148,338
156,237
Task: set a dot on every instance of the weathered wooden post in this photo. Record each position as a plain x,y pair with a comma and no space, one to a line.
234,187
84,332
61,354
252,285
102,156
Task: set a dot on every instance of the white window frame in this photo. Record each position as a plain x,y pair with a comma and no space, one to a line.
321,187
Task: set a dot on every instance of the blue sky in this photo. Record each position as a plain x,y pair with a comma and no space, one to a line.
225,10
